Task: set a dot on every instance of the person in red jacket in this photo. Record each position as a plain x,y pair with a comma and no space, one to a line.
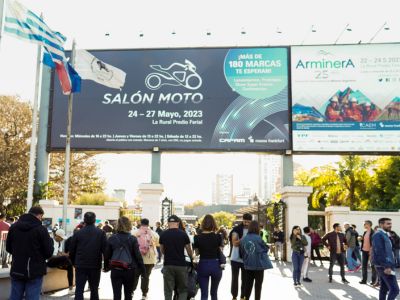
352,113
332,112
316,242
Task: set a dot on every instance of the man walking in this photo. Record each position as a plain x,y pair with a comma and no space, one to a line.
30,245
335,241
148,241
159,231
237,266
86,251
383,259
173,243
366,248
307,255
279,240
352,264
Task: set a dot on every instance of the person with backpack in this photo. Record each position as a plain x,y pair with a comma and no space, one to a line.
30,245
237,266
352,264
173,243
148,240
86,251
123,258
254,251
209,245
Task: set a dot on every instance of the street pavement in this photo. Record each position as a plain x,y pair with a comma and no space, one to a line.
277,284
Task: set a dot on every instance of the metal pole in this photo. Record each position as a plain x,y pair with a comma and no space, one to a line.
155,167
287,170
2,15
68,148
32,153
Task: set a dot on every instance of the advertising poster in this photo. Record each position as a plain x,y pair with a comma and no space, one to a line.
78,214
180,99
346,98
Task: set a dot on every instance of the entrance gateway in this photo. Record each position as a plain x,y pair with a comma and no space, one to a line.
225,99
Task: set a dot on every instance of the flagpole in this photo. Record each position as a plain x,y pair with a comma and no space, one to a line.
68,147
32,153
2,15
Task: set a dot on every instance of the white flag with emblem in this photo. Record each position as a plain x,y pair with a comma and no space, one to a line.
91,68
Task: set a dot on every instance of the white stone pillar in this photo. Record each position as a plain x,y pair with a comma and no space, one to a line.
295,198
150,196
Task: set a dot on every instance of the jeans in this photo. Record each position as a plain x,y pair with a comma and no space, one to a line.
236,267
305,266
258,278
209,268
357,253
90,275
30,288
351,263
365,263
145,280
175,276
63,263
297,261
159,254
389,285
124,278
316,249
339,257
278,250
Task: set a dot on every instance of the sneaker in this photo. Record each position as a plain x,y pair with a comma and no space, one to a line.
71,291
307,279
144,297
345,281
363,282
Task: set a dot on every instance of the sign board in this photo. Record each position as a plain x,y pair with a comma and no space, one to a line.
181,99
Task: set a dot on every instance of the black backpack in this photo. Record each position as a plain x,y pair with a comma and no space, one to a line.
121,258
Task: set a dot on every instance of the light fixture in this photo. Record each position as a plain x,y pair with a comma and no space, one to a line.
141,34
243,31
173,32
347,28
278,30
313,29
208,32
107,34
385,26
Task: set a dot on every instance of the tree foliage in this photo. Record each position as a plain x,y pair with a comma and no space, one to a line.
360,183
222,218
93,199
15,138
189,207
15,134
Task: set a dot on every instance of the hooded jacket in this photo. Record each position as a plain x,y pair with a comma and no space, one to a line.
30,245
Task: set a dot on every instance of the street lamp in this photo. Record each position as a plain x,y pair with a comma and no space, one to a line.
256,200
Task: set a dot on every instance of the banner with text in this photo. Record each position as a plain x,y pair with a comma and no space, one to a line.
346,98
189,99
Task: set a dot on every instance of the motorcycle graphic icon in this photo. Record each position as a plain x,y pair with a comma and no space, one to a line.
176,74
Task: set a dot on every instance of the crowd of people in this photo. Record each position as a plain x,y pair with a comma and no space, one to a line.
350,111
193,256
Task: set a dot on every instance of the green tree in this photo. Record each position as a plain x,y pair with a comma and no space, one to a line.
384,188
15,135
189,207
344,183
222,218
93,199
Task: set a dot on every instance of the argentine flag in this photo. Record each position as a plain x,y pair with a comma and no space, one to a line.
23,24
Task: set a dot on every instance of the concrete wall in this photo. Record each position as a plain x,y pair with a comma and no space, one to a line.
341,214
52,209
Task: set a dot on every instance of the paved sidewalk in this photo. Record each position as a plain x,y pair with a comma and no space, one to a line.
277,285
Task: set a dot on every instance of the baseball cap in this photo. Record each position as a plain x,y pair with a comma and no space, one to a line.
173,218
61,234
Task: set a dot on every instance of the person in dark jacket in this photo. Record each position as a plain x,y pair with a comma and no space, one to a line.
366,248
384,261
255,259
125,277
30,245
335,242
298,243
396,247
159,231
86,252
315,245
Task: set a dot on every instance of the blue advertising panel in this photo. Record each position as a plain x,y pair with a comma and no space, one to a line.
181,99
346,98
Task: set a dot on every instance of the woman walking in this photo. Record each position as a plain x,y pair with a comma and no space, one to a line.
209,245
123,257
255,259
298,243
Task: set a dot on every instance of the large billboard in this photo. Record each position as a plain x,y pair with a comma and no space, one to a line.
346,98
181,99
